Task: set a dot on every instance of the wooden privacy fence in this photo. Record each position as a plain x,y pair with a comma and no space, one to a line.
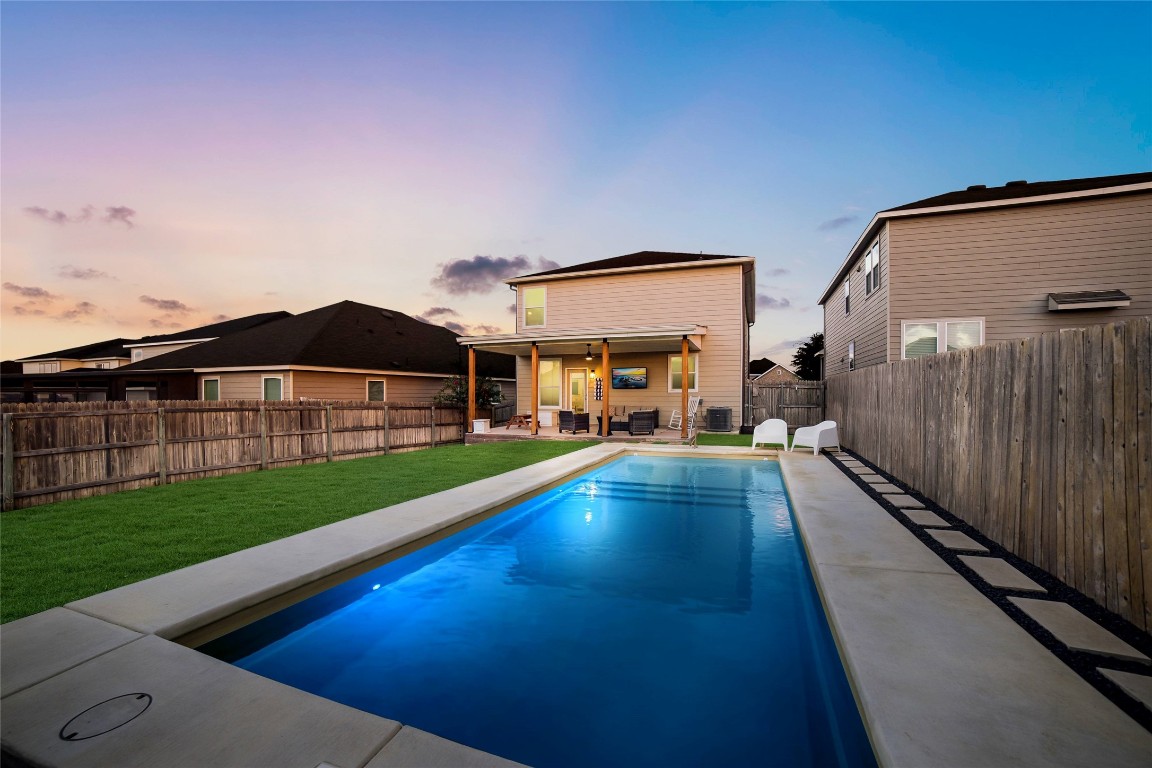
800,404
1043,444
53,452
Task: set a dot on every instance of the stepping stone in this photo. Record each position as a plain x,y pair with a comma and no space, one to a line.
957,541
872,478
862,470
1076,630
926,519
1138,687
904,501
852,462
999,573
884,487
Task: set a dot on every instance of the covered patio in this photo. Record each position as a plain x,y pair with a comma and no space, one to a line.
603,373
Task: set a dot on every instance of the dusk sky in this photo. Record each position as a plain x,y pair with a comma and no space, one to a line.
168,164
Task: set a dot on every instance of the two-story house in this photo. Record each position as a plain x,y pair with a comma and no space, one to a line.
991,264
646,330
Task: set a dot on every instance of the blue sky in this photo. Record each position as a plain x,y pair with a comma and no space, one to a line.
164,164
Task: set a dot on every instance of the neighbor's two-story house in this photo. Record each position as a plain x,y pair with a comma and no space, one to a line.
990,264
617,329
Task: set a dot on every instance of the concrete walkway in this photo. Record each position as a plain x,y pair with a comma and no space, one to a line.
943,678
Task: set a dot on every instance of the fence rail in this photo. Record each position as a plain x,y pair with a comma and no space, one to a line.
1044,444
800,404
53,452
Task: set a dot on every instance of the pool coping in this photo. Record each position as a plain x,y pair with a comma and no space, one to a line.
940,675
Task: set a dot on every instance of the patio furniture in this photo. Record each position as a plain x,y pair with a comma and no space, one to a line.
519,420
574,422
676,421
642,423
771,432
823,435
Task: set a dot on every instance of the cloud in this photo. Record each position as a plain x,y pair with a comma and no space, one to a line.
485,328
120,213
23,311
438,311
82,273
788,345
220,318
764,301
55,217
82,309
776,272
164,322
458,328
482,274
168,305
837,223
28,291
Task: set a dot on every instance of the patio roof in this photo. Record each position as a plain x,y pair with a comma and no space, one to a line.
621,340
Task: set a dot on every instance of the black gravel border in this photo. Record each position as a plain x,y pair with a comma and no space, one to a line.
1083,663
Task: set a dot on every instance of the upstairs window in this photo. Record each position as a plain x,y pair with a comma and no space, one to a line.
137,355
534,306
847,299
929,337
872,268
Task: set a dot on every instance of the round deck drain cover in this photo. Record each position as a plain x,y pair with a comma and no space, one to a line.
105,716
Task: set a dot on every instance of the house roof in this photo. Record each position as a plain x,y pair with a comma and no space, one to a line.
756,367
637,260
119,347
343,335
979,197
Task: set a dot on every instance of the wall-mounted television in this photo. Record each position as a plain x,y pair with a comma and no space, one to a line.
629,378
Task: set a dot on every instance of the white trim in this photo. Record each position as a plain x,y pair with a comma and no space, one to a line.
173,341
629,270
203,388
594,335
568,387
941,332
368,389
684,371
263,388
884,216
523,302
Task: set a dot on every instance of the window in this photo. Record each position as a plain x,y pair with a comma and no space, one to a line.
551,375
928,337
534,306
847,302
851,355
872,268
376,390
273,388
676,375
137,355
140,394
211,389
48,367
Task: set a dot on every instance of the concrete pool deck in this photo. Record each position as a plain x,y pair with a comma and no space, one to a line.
942,676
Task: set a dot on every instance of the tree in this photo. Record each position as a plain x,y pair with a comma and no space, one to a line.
455,392
805,362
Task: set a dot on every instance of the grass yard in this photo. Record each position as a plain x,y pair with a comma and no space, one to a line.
742,441
56,553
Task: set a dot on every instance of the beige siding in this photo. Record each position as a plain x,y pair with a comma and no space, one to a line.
162,349
865,324
1002,264
413,389
245,385
323,385
708,296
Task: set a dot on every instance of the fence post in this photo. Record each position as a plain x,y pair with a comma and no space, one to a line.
161,447
386,437
263,438
328,428
9,463
432,432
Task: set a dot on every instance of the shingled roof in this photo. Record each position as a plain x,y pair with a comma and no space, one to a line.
1014,190
633,260
343,335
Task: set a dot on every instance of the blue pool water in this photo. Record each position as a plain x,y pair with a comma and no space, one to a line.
654,612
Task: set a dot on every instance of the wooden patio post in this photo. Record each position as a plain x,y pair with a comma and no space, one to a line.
535,388
471,386
684,388
606,377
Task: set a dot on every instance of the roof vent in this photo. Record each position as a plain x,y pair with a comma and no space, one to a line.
977,186
387,314
1018,183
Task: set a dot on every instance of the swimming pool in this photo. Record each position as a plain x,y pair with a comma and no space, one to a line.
655,611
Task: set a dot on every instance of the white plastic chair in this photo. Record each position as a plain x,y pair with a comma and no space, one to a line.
823,435
676,419
771,432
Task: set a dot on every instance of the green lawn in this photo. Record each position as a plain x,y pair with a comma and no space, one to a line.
56,553
743,441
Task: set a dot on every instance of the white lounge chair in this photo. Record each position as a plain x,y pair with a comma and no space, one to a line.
823,435
675,422
771,432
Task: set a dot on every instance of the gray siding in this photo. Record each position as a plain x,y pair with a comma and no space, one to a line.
867,322
1001,264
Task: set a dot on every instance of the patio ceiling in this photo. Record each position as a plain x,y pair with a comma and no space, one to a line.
661,338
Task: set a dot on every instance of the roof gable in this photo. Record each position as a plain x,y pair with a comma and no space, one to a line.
636,260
